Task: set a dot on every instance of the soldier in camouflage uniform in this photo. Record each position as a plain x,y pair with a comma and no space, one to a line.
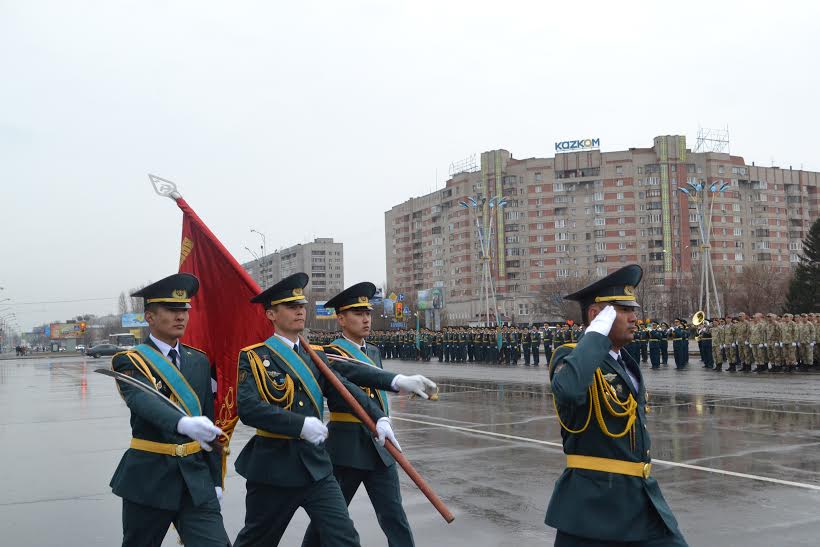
757,339
717,344
773,347
743,343
806,339
788,339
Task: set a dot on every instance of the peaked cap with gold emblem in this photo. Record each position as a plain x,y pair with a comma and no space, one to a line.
618,288
290,289
354,297
174,291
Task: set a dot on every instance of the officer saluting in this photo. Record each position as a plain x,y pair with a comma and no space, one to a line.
281,393
606,495
170,473
357,457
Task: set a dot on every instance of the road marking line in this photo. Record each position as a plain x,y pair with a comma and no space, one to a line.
654,461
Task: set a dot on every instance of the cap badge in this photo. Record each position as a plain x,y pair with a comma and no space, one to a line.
629,290
298,292
180,293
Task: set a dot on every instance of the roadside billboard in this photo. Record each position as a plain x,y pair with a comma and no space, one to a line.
60,331
324,313
133,320
431,299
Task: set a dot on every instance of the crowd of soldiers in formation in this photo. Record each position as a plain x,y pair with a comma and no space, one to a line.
759,343
773,343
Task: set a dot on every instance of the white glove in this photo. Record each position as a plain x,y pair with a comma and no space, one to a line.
794,344
417,384
812,344
602,323
313,431
760,345
385,431
219,495
765,345
199,428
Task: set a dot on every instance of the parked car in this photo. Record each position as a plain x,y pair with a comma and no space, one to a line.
80,348
102,349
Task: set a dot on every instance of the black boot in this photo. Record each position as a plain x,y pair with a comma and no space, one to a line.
732,368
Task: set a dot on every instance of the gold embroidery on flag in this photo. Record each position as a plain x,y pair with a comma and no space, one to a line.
187,247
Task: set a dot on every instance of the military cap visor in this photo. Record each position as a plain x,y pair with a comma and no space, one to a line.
289,290
355,297
618,289
174,291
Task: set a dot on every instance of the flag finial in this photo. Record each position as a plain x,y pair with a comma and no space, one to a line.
164,188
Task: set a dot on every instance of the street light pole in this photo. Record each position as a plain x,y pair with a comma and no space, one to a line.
264,254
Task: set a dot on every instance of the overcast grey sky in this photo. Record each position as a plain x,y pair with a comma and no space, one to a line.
310,119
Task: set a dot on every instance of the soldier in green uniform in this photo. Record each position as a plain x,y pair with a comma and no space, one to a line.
665,343
357,457
757,339
281,394
656,338
680,341
643,337
535,345
169,474
606,496
547,337
788,342
526,345
717,344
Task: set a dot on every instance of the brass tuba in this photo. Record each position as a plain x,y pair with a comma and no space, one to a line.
698,318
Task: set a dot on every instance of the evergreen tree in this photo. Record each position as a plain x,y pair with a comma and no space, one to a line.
804,289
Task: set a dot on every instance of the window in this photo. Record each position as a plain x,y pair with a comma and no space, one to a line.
720,170
619,182
795,245
600,233
561,248
561,236
654,218
599,209
600,271
600,221
619,195
537,189
619,169
538,178
558,187
738,232
621,220
562,273
622,246
523,309
598,196
693,217
739,257
600,246
620,208
794,258
561,223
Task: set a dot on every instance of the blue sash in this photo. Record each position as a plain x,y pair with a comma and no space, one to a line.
299,369
354,351
172,377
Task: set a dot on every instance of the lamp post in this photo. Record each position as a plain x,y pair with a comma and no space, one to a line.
702,196
264,254
485,244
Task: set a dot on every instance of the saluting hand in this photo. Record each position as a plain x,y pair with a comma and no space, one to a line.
602,323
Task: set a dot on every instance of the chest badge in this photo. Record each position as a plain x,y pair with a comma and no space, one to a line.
266,363
609,377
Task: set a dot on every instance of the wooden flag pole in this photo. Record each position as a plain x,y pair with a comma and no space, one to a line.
368,422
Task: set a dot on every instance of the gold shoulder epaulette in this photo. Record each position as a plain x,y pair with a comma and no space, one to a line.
318,347
252,346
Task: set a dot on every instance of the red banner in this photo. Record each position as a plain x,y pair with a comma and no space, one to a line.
222,320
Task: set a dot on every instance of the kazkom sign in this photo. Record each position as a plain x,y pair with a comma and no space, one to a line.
580,144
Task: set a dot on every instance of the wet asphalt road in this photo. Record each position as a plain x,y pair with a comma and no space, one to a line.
737,456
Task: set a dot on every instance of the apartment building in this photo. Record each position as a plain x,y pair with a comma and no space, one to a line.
322,260
585,212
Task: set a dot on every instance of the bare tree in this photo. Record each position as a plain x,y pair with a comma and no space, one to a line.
551,297
137,302
122,305
760,288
